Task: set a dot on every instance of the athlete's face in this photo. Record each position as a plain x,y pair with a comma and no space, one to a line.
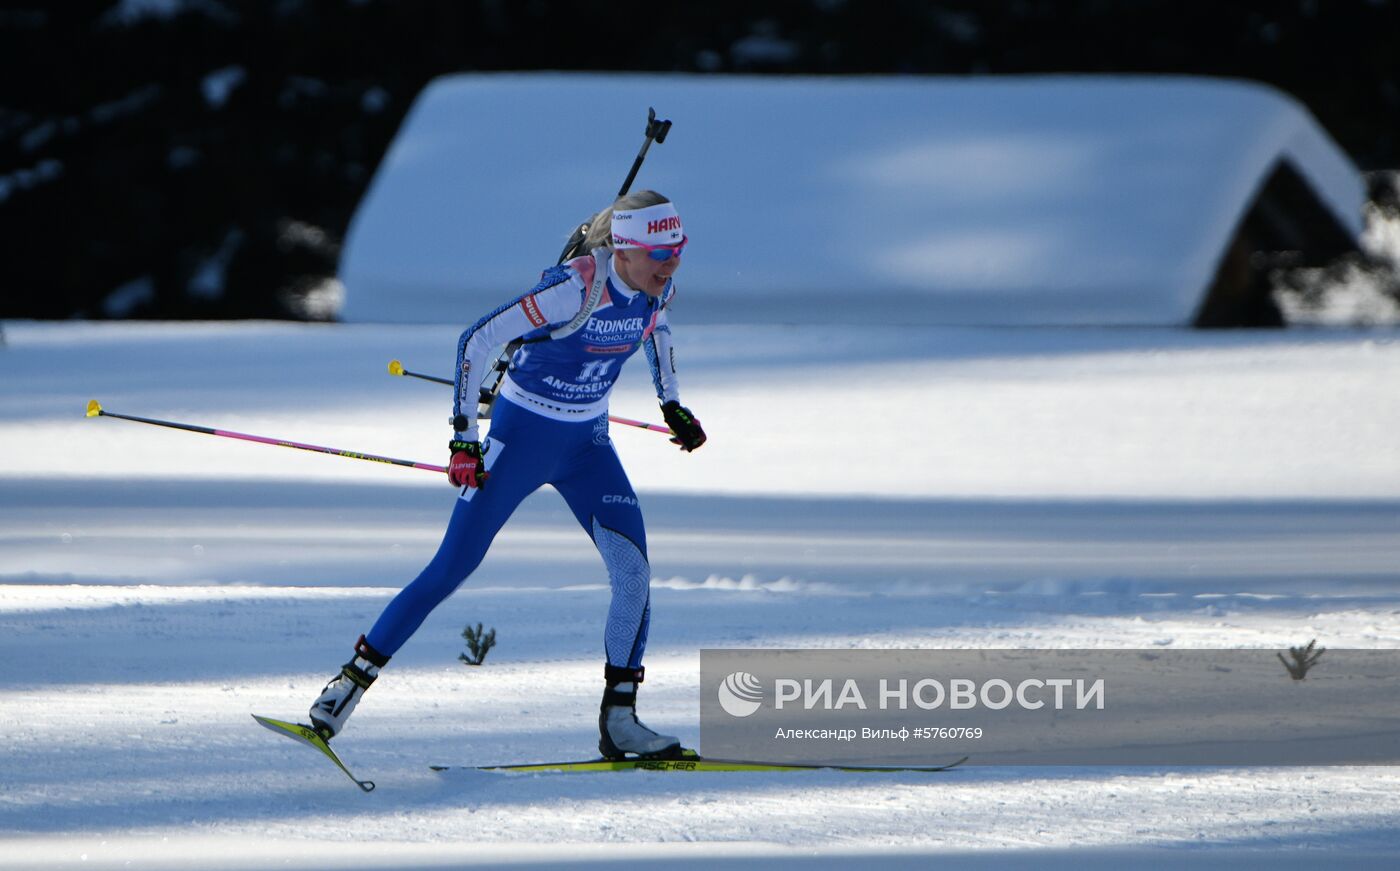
643,273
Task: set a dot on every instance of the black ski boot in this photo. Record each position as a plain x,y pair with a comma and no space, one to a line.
337,701
619,730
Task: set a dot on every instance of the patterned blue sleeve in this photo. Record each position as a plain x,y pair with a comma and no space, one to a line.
507,318
661,357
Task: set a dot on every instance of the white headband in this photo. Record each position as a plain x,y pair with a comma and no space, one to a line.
655,225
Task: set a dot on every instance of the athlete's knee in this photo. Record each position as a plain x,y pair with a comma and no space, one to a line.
628,568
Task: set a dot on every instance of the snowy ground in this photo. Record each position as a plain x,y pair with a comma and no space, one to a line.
905,488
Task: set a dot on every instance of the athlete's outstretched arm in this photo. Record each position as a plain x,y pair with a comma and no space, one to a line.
661,357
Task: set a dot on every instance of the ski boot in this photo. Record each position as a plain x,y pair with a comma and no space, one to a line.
338,699
619,730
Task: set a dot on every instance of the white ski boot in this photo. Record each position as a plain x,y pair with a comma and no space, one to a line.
337,701
619,730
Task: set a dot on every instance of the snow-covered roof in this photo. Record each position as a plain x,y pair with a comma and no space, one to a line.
1039,200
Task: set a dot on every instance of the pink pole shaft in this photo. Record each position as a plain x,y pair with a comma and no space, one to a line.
98,411
354,455
637,423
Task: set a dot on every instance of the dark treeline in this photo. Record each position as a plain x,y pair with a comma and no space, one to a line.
202,158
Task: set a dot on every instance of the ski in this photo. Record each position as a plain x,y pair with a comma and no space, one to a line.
307,735
689,760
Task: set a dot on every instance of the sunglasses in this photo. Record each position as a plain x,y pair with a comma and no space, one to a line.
660,253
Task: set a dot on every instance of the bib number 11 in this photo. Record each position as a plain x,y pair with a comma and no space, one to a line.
594,370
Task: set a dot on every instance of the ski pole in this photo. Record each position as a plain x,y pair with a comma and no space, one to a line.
94,409
396,368
656,132
640,424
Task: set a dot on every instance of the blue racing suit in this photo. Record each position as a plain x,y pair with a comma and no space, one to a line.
549,426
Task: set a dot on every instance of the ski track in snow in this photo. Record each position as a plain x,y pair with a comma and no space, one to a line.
146,612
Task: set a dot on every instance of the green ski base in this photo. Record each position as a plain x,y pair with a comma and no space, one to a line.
307,735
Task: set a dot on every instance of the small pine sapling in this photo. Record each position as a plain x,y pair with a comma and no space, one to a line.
478,642
1304,658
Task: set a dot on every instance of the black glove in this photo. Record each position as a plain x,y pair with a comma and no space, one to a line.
684,425
465,468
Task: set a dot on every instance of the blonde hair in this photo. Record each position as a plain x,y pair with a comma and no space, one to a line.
600,225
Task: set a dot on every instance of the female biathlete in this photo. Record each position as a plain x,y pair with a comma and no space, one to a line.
549,425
